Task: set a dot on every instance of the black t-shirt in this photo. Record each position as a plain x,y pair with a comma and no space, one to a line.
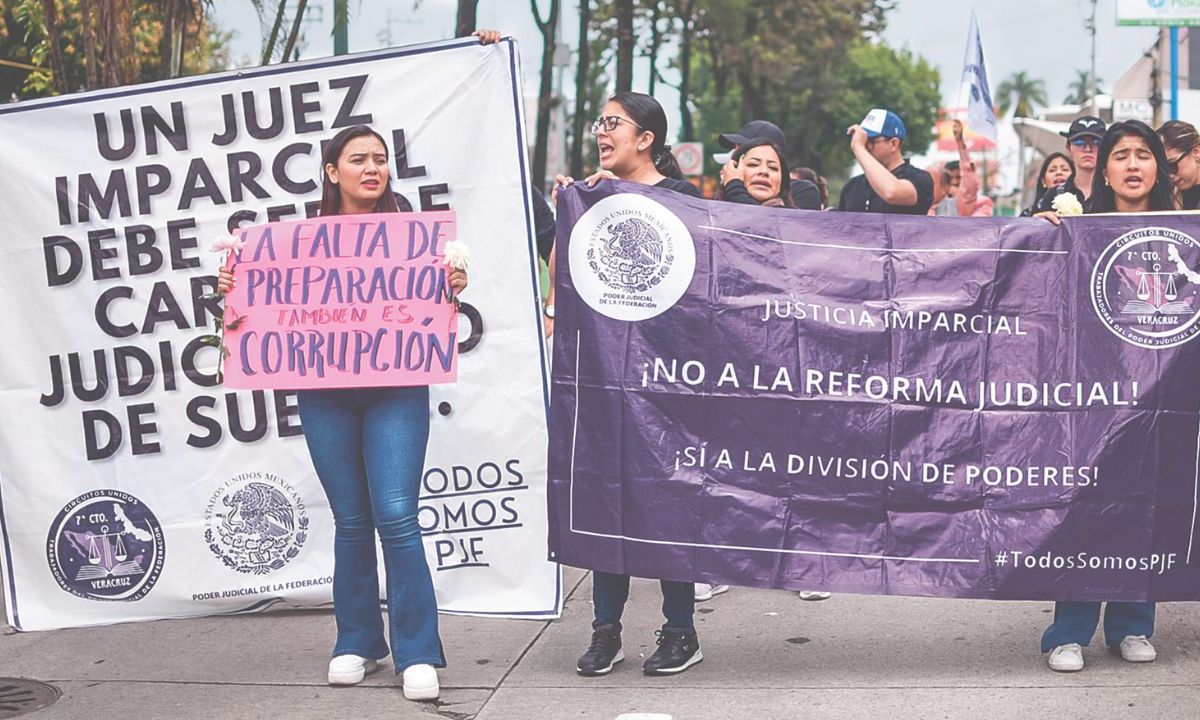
859,196
1191,198
1046,202
679,186
543,223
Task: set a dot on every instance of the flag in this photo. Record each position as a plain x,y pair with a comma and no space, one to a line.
981,111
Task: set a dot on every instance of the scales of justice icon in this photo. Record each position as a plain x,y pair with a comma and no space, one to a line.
1162,291
1157,293
107,556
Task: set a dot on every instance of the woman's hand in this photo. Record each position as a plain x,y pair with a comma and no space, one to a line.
560,181
487,37
225,281
730,171
457,280
1051,216
597,176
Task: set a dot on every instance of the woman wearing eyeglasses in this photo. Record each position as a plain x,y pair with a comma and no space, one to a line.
1182,142
1133,179
631,138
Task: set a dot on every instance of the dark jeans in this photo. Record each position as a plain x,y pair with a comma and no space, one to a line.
609,593
1075,622
368,446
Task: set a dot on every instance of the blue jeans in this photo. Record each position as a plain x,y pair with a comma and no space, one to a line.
368,446
609,593
1075,622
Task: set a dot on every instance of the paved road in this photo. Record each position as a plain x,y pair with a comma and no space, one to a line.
768,655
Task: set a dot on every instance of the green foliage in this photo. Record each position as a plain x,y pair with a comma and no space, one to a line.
880,76
132,38
813,68
1081,88
1020,93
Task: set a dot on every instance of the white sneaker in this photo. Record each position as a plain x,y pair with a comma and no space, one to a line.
421,682
705,592
1136,648
350,669
1066,658
815,595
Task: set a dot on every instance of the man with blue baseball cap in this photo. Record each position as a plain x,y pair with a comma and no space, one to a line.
889,184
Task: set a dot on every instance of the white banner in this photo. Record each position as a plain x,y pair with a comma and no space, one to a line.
131,486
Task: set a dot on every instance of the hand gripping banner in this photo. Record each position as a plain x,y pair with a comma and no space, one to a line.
984,408
133,485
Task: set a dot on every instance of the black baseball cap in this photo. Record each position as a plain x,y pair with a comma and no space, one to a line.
754,130
1086,125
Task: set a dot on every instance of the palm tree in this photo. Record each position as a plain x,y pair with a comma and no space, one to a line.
1020,93
1081,88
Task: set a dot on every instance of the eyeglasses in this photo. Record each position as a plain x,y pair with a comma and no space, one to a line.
1173,165
609,123
1086,142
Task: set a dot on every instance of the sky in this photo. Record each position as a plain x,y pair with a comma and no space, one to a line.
1045,38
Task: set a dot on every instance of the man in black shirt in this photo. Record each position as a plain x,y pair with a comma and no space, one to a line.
889,183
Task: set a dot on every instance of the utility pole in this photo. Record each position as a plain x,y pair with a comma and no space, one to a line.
1091,27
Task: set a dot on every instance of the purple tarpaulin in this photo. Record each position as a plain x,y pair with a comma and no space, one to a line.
991,408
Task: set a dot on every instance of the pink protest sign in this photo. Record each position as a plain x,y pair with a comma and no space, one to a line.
344,301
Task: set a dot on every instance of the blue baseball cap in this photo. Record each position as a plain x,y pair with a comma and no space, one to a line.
883,123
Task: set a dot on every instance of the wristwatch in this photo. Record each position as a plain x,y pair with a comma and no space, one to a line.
548,310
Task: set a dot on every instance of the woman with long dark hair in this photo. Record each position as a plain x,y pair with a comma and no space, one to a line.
1182,142
368,448
757,174
1131,177
1056,170
631,138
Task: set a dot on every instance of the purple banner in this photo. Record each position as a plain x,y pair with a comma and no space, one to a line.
988,408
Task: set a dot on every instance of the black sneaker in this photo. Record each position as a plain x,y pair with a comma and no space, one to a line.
603,653
677,651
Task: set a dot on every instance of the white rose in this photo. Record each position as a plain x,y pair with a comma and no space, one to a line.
1067,204
458,255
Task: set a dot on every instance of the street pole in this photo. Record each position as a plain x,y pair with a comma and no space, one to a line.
1092,77
1174,73
341,34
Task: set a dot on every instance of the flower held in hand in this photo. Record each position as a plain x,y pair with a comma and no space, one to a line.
1067,204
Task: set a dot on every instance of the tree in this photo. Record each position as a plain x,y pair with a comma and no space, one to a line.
880,76
1081,88
582,62
1020,93
546,99
625,45
748,64
105,43
686,11
593,84
466,18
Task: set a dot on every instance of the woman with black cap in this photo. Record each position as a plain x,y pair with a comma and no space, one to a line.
631,137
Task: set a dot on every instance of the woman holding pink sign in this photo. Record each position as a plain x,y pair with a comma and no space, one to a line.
368,448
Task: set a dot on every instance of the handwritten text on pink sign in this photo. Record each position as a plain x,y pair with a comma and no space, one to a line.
345,301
